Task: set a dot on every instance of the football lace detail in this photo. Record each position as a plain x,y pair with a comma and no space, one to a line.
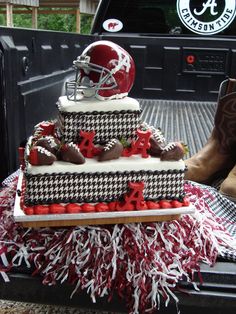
51,141
157,134
43,150
110,144
169,146
72,145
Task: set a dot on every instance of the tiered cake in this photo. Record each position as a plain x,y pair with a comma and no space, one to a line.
98,155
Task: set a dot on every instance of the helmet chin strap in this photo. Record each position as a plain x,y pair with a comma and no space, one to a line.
85,82
88,89
89,92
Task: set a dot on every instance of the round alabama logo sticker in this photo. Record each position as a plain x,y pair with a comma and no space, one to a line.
112,25
206,17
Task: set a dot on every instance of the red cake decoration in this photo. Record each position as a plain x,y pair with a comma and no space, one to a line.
140,146
134,197
44,128
86,144
98,121
40,156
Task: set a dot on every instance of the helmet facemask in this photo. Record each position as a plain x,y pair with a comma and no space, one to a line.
89,80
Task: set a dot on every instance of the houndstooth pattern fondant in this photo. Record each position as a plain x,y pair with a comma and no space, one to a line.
107,125
98,187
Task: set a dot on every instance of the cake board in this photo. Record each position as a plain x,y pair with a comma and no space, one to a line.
95,218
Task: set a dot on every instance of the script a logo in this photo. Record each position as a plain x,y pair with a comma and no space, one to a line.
206,17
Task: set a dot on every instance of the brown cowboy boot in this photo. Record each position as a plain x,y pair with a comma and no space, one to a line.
217,155
228,186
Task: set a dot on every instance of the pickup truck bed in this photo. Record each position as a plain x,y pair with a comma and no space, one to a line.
180,120
181,101
217,294
35,65
189,121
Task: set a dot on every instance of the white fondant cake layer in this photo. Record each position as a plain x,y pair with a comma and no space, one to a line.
133,163
93,104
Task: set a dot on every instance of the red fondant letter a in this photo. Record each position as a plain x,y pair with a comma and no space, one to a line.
134,197
86,145
141,145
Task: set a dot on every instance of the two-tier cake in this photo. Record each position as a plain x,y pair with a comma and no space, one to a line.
98,155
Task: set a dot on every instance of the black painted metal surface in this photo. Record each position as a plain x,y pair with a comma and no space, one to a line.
161,65
35,65
186,66
188,121
179,99
217,293
33,69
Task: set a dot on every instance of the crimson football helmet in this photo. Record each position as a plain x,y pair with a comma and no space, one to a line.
104,70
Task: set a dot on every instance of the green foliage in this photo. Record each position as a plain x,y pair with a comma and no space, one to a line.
2,19
56,22
86,23
22,20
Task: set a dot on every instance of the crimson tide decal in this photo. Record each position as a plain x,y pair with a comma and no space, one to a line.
206,17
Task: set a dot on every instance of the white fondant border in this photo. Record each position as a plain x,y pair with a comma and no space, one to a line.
133,163
93,104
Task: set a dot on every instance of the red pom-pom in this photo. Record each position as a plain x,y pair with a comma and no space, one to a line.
73,208
165,204
123,206
102,207
41,210
88,208
176,204
186,201
29,210
112,206
57,209
142,206
153,205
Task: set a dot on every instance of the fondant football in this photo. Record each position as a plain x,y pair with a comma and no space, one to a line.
112,150
51,143
157,142
44,128
71,153
40,156
174,151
